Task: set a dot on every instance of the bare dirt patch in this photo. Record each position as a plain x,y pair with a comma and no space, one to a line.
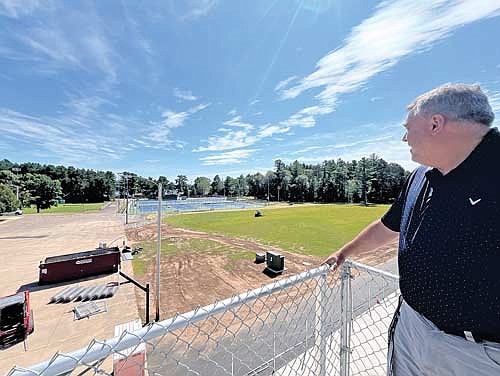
192,279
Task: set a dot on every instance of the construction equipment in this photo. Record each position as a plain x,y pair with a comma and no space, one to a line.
16,318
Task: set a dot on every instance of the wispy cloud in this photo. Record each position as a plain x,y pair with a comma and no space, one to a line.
283,84
185,95
243,136
231,139
192,9
74,144
270,130
144,43
253,102
308,149
232,112
231,157
396,29
306,117
236,122
237,139
17,8
248,136
330,147
84,107
160,133
51,44
102,53
372,141
55,46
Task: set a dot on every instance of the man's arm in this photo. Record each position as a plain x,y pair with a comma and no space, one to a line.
373,236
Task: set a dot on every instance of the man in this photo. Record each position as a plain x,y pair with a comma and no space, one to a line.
447,218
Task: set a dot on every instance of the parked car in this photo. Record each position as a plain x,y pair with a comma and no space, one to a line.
17,212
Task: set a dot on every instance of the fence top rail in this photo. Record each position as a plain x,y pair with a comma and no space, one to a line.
372,271
63,363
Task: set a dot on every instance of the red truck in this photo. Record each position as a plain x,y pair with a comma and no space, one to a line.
16,318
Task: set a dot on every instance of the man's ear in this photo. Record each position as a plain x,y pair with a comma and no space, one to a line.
437,123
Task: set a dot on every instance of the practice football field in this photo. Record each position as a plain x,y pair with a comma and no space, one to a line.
310,229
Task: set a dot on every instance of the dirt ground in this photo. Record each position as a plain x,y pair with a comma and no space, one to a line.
197,279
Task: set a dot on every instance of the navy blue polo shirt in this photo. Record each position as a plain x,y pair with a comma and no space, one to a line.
449,259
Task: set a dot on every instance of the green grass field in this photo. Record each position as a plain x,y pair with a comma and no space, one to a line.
314,229
66,208
143,260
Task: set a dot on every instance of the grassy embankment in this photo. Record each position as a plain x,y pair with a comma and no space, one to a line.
314,229
146,258
67,208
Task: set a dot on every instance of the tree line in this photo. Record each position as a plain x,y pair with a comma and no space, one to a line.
44,185
367,180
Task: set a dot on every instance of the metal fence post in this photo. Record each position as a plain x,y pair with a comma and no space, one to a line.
274,352
345,319
320,324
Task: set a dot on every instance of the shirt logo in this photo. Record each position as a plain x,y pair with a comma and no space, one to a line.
474,202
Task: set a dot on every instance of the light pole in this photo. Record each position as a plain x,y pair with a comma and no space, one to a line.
279,187
125,176
126,200
16,169
158,250
268,189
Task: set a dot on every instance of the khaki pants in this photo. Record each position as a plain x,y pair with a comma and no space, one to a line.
419,348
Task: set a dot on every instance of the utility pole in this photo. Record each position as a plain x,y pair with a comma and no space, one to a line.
125,176
16,169
279,187
126,199
158,251
268,189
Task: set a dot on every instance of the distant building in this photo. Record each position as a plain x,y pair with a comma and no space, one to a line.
171,195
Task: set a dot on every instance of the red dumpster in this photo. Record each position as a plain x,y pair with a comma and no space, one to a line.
79,265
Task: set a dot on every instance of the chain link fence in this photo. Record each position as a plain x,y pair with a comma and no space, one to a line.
314,323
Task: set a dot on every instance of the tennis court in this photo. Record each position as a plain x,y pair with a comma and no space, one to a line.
142,207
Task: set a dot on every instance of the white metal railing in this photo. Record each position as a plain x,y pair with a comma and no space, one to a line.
314,323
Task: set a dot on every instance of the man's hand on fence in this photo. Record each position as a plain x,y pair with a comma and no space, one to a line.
336,259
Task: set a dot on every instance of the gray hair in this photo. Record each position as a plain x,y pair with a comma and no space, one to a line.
455,101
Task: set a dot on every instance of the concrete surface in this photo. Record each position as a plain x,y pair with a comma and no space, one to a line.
24,242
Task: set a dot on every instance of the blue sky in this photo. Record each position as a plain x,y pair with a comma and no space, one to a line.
205,87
